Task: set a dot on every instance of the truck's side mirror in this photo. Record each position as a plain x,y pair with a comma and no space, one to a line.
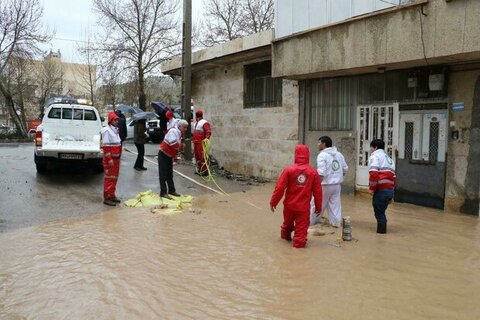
102,118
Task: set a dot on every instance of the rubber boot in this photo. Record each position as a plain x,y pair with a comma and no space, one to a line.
382,227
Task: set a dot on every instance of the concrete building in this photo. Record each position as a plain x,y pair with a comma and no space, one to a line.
254,117
53,77
409,74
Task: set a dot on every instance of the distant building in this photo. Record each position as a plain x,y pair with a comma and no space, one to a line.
52,77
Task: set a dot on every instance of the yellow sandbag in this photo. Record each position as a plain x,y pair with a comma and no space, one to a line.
132,203
150,198
163,205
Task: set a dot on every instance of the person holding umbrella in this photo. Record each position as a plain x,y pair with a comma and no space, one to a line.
140,138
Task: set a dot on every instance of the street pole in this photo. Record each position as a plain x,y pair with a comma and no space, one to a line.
187,73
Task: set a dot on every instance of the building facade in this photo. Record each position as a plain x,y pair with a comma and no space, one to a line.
254,117
409,74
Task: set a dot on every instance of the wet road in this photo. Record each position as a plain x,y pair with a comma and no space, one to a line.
28,198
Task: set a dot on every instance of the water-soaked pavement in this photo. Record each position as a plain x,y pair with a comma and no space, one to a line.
225,260
28,198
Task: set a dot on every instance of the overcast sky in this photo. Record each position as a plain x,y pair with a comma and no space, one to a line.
73,20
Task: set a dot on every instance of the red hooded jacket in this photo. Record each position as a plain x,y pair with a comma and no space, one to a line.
300,181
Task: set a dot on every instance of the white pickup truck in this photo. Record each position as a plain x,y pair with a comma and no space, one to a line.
69,132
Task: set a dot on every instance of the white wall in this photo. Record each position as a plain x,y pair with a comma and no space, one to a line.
292,16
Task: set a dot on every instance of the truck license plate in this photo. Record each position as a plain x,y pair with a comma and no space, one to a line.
71,156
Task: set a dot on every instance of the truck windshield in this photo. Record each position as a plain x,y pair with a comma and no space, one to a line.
75,113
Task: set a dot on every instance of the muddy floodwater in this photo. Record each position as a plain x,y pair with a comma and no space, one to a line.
225,260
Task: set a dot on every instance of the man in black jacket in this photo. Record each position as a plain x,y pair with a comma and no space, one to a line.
122,125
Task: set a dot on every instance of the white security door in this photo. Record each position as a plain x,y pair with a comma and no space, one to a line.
374,122
409,145
435,137
423,137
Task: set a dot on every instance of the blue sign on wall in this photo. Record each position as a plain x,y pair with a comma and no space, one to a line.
458,106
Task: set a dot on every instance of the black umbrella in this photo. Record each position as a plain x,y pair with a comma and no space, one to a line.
124,108
159,107
142,116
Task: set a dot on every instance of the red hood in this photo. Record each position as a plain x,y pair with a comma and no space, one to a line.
302,154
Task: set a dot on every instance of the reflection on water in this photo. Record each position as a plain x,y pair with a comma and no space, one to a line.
228,262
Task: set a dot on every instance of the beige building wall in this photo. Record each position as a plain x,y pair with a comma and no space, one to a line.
74,82
255,141
461,89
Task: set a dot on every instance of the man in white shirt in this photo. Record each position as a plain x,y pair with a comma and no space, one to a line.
331,167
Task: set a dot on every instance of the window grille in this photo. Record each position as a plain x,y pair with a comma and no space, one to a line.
408,140
260,89
433,146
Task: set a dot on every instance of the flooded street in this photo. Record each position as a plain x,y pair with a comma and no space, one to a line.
225,260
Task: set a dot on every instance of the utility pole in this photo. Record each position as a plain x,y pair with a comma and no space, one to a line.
187,73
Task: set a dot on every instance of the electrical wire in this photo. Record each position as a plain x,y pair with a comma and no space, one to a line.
420,11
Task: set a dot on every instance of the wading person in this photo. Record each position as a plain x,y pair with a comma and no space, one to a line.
201,131
382,179
140,138
298,182
112,150
331,167
168,151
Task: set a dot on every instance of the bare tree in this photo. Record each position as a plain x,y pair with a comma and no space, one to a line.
141,34
19,81
110,75
50,80
87,71
257,15
21,32
222,21
227,20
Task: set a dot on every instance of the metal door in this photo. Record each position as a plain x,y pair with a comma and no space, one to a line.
421,162
374,122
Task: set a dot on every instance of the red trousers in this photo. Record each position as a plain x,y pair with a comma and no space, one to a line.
199,157
110,178
297,221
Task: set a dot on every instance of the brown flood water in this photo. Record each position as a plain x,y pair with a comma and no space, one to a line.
228,262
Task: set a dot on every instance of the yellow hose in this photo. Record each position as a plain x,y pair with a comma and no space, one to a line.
206,147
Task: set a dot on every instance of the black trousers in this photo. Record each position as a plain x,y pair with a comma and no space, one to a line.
141,154
165,173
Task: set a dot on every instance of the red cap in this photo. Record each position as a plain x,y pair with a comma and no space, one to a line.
112,116
199,113
169,114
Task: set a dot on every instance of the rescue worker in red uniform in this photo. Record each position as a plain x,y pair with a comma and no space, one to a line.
298,182
168,151
201,130
112,150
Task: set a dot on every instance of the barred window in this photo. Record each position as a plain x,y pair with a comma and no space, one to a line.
332,104
260,89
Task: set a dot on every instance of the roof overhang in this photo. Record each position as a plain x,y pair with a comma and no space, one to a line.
255,47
